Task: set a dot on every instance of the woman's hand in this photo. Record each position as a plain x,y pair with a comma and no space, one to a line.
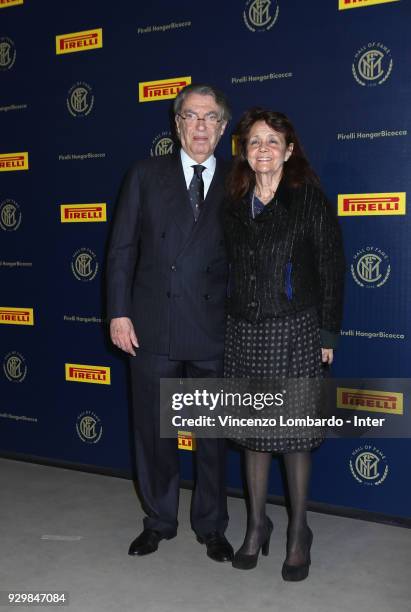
327,355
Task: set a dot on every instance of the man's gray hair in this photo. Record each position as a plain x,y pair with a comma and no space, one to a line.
203,90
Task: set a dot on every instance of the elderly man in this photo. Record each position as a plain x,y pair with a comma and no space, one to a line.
167,277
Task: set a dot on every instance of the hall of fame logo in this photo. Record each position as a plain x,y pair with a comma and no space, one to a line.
14,367
260,15
371,267
7,53
372,64
89,428
84,264
10,215
368,465
80,99
162,145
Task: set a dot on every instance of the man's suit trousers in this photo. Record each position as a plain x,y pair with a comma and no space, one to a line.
157,458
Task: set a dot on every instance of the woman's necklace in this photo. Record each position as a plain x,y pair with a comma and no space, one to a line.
262,199
253,215
255,195
252,205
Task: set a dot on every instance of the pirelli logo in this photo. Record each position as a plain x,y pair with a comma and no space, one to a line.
370,401
186,441
234,145
16,316
364,204
83,213
166,89
14,161
6,3
99,375
348,4
79,41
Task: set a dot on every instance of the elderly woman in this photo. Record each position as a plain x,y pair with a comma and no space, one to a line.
284,305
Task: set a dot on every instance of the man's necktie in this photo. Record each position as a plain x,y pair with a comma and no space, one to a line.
196,190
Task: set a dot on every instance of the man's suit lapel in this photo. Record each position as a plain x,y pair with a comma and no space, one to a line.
175,196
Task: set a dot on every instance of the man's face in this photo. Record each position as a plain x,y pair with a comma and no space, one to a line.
199,138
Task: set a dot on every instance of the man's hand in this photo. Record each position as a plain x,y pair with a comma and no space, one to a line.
123,335
327,355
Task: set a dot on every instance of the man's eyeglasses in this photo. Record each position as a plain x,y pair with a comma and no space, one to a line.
210,119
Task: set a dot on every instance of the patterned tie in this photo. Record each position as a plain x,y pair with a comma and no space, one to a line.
196,190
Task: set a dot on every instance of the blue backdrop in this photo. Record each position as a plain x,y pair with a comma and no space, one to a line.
69,98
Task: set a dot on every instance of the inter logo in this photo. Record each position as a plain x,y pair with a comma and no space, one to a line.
7,53
84,264
80,99
372,64
89,428
162,145
14,367
370,267
10,215
260,15
368,465
166,89
79,41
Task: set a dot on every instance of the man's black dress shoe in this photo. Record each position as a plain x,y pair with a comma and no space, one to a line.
218,547
147,542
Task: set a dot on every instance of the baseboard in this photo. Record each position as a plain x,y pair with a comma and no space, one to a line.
277,500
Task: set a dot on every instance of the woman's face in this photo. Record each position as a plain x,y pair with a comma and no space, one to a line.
266,149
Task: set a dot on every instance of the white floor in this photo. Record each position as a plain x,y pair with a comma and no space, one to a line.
63,530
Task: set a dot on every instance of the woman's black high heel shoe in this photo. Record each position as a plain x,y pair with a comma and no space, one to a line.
246,562
295,573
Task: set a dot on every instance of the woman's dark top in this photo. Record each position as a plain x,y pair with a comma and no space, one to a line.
287,259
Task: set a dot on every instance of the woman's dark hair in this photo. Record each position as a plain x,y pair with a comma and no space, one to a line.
296,171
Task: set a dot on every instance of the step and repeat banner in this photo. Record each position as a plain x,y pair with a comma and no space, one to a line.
86,89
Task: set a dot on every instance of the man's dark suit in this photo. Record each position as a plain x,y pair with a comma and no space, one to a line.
168,274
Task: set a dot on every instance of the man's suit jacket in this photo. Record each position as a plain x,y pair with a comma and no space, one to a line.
165,271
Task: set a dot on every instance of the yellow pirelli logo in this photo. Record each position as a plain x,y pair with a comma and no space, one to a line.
14,161
186,441
150,91
349,4
77,372
83,213
6,3
370,401
234,145
16,316
363,204
79,41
